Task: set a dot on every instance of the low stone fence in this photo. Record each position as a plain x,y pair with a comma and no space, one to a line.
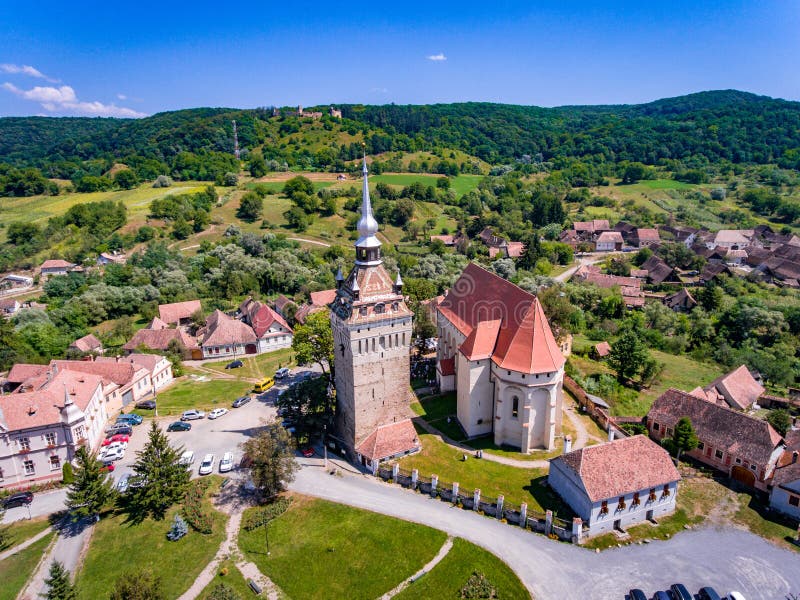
546,523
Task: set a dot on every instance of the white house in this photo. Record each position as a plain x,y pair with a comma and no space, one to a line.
785,493
608,241
496,350
225,336
271,330
616,484
44,422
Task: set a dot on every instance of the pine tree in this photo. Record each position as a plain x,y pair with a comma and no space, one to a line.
58,583
684,439
91,487
163,477
138,585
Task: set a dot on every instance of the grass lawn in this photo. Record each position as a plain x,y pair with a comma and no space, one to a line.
258,366
770,525
19,531
515,484
322,550
431,408
234,580
486,444
119,547
17,568
448,577
187,393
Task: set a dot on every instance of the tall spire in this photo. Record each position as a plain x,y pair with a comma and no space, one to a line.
367,246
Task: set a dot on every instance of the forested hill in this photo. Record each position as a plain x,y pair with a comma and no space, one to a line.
710,126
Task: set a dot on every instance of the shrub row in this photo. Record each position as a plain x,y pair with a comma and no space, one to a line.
264,515
196,514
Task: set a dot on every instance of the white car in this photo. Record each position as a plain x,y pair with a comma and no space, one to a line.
122,484
191,415
217,412
112,454
207,466
226,463
187,458
281,373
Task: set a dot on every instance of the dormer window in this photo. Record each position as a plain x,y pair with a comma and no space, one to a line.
379,308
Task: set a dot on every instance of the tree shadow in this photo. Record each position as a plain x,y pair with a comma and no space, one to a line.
548,499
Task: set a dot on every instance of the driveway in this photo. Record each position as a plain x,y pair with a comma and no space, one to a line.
727,559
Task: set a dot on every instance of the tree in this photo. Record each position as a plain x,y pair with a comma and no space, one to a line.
271,453
162,181
628,354
313,341
58,583
684,439
163,477
91,487
223,592
297,219
257,164
138,585
230,179
423,330
251,207
298,185
780,420
126,179
308,406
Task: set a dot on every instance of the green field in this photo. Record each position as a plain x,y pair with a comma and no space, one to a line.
17,568
233,579
120,547
21,530
321,550
448,577
188,393
256,367
461,184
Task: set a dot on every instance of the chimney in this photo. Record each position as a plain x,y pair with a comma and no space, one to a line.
610,434
567,444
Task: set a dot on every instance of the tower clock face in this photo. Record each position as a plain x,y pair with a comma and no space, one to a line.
343,308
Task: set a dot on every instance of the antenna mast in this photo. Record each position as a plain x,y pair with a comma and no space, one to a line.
235,141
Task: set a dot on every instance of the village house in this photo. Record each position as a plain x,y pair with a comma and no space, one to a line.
159,367
601,350
43,425
496,350
111,258
319,301
617,484
124,383
271,330
159,337
225,336
785,493
681,301
9,307
643,237
630,287
284,306
731,239
737,389
658,271
53,267
87,344
179,313
609,241
743,447
682,235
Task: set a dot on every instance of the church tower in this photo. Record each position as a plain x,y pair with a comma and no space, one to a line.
371,336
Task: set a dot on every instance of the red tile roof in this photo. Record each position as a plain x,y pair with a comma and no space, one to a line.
173,313
22,372
738,388
602,349
159,339
621,467
138,360
608,237
323,298
57,264
157,324
480,343
647,234
447,366
524,340
222,330
87,343
261,317
390,440
120,373
719,426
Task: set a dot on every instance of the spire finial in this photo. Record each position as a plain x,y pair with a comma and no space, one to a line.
367,246
67,399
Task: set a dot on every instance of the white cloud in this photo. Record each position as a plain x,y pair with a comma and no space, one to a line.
379,90
25,70
64,99
122,97
437,57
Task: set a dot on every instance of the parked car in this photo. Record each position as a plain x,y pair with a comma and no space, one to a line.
119,437
179,426
114,446
661,596
187,458
263,385
146,404
191,415
736,596
226,463
678,591
309,452
282,372
18,499
119,429
207,466
636,594
234,364
241,401
709,593
132,418
217,413
122,484
112,453
108,466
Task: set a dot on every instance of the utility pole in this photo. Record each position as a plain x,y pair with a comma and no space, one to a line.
235,141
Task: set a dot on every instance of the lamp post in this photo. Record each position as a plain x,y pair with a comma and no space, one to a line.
266,534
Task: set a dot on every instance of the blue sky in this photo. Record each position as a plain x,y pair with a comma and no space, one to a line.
137,58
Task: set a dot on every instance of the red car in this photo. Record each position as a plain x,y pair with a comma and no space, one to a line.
109,467
308,452
120,437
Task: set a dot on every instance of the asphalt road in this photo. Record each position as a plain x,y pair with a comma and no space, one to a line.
727,559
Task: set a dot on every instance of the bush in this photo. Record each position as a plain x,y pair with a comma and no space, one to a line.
198,517
264,515
66,473
162,181
478,586
223,592
178,530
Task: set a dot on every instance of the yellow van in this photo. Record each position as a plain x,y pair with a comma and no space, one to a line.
263,385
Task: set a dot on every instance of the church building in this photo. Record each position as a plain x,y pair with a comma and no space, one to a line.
496,350
372,327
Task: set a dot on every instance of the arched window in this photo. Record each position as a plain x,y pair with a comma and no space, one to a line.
380,307
515,407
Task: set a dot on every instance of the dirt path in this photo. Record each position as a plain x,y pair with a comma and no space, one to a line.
19,547
308,241
443,551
